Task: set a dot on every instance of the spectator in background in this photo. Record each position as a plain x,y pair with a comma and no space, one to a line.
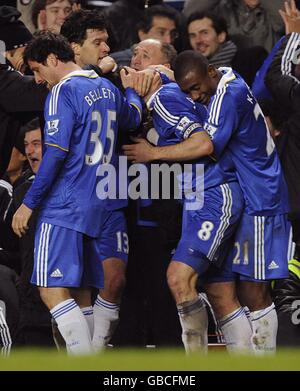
250,22
158,22
20,97
13,177
25,7
50,14
34,326
15,35
123,17
9,256
208,35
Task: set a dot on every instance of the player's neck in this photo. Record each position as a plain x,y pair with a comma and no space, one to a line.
66,68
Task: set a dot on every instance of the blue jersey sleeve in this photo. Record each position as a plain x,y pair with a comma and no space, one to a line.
59,117
222,120
175,113
130,109
51,164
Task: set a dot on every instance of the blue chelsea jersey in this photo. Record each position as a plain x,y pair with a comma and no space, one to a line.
175,118
237,127
83,113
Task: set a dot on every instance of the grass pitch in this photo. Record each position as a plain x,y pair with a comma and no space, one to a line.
148,360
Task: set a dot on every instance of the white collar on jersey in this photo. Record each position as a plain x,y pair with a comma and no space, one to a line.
228,76
89,74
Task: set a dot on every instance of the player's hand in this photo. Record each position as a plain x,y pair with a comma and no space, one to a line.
143,81
20,220
291,17
126,75
140,152
107,64
163,69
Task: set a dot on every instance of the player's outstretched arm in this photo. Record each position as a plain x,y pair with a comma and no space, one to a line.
195,147
51,164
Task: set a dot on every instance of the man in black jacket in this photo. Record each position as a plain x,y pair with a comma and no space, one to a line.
34,326
285,88
20,97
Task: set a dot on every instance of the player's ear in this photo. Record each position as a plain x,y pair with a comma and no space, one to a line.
76,48
51,60
211,71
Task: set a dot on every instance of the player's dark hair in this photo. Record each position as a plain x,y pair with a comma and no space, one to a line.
187,61
77,23
46,43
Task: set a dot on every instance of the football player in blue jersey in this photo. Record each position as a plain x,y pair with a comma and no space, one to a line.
236,127
78,235
86,31
207,230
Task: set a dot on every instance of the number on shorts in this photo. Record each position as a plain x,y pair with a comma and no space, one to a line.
237,258
205,232
122,240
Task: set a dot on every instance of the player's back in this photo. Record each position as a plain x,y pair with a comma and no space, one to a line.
82,117
176,117
237,126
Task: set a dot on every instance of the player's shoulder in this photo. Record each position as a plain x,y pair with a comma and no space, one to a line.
238,88
170,89
61,88
170,95
57,93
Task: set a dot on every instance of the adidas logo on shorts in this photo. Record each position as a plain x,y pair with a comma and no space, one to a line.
56,273
273,265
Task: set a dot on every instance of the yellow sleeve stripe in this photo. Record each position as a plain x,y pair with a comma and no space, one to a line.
197,132
138,109
57,146
294,267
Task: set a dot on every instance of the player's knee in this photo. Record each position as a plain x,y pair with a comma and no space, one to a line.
177,283
45,297
255,296
223,298
54,296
